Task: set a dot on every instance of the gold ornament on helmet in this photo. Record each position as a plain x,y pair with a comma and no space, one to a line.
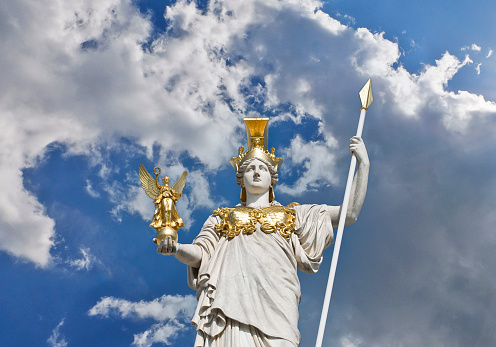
257,133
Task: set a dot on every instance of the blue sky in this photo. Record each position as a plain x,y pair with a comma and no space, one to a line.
92,89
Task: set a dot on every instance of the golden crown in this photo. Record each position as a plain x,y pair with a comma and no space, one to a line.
257,133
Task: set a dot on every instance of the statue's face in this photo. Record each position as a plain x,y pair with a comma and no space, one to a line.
257,177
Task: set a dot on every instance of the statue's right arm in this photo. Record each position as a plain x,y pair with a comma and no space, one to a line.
189,254
359,186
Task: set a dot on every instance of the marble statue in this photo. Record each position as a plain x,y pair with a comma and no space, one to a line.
243,263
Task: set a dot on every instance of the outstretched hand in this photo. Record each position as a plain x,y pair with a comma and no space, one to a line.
167,246
357,147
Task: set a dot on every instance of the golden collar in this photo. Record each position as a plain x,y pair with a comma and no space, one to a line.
244,219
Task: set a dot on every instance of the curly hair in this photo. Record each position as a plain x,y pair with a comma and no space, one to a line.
274,177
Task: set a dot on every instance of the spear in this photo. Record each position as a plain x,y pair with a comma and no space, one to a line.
366,99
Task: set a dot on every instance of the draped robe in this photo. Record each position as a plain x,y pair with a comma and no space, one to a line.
247,286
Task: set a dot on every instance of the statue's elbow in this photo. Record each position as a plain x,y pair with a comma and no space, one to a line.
351,218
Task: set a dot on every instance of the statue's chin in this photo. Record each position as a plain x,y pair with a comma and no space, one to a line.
256,189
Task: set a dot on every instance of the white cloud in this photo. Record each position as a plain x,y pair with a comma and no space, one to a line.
160,332
164,308
434,79
138,202
463,107
171,312
375,55
490,53
85,79
91,191
349,341
472,47
477,68
25,230
318,158
56,339
39,106
55,89
350,19
86,262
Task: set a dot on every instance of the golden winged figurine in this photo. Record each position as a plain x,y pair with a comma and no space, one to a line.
166,221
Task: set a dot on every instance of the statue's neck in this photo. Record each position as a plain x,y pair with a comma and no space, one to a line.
257,200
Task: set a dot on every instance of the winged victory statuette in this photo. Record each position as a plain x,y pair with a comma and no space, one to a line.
166,221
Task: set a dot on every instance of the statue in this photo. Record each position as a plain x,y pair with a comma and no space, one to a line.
243,263
166,221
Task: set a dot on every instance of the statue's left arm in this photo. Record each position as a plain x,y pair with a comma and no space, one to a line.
359,187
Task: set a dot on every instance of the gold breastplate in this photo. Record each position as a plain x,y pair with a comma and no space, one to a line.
244,219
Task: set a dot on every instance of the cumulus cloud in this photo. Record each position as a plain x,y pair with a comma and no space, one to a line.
160,332
92,79
171,312
86,78
25,229
93,75
39,106
318,160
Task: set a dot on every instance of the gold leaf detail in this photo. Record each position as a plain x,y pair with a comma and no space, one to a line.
244,219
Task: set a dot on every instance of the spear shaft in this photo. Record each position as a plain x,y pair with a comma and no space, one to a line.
366,99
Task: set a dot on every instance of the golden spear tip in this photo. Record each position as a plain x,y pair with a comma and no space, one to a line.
366,95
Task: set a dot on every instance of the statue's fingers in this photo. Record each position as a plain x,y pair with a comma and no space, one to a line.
166,245
356,140
169,244
160,247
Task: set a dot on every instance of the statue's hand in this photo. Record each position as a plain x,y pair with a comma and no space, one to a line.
167,246
357,147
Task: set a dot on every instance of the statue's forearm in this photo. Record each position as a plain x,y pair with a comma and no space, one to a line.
358,191
188,254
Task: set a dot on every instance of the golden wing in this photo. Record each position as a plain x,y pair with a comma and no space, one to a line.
179,185
148,183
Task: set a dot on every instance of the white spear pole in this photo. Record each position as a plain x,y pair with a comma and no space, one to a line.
366,99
